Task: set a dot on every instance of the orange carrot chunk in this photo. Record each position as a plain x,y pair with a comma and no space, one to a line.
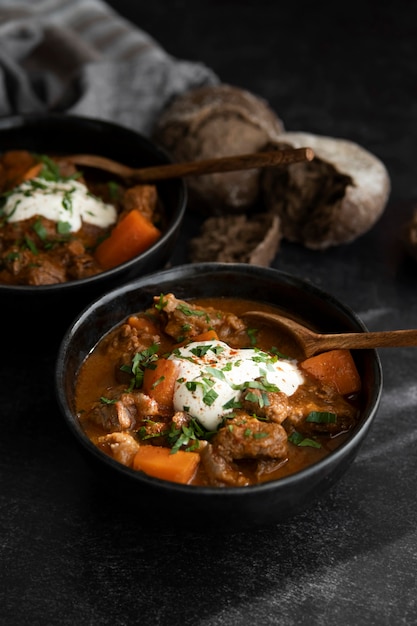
159,383
208,335
32,172
131,236
335,368
178,467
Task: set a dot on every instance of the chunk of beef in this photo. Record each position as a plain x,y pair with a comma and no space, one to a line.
24,265
278,407
275,406
242,438
124,413
184,320
158,430
122,446
128,340
50,259
81,266
324,399
17,232
143,198
180,419
47,273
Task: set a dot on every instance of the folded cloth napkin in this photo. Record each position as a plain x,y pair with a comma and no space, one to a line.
81,57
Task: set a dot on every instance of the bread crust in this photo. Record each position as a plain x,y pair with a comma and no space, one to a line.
218,121
331,200
237,239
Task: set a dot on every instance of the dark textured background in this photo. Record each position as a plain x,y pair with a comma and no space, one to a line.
68,555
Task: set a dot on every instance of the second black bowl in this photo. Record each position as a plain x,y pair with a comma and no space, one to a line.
216,508
66,134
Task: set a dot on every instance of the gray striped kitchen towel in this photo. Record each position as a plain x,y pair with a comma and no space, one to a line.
81,57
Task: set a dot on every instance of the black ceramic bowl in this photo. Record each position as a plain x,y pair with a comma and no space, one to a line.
66,134
217,508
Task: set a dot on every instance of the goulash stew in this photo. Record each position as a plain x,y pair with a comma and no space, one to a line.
189,392
58,224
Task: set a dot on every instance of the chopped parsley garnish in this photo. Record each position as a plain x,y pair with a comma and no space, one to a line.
63,228
232,404
215,372
40,229
162,302
251,332
261,383
186,436
107,400
261,400
322,417
67,200
141,361
158,382
114,189
189,311
31,245
299,440
50,170
210,397
279,354
261,435
200,350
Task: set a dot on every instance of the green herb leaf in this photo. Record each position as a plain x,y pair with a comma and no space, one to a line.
251,332
141,361
162,302
40,229
31,245
299,440
232,404
200,350
321,417
107,400
63,228
260,435
187,310
210,397
158,382
216,373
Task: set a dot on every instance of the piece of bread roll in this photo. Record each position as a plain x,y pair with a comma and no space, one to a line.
331,200
217,121
237,239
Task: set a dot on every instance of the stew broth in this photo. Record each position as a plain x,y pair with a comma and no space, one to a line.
227,456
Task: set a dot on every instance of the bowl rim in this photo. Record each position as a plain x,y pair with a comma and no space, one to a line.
345,449
21,120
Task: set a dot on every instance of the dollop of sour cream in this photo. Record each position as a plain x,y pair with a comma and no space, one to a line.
212,376
66,201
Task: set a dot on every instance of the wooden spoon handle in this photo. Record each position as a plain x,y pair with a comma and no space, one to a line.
377,339
196,168
225,164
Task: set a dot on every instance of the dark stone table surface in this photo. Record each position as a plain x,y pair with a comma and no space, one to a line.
346,70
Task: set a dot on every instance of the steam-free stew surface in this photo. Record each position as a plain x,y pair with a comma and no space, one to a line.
148,392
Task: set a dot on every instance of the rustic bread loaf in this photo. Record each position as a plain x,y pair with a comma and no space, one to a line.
331,200
237,239
218,121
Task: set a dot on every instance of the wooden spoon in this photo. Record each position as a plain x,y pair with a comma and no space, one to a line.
195,168
311,342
